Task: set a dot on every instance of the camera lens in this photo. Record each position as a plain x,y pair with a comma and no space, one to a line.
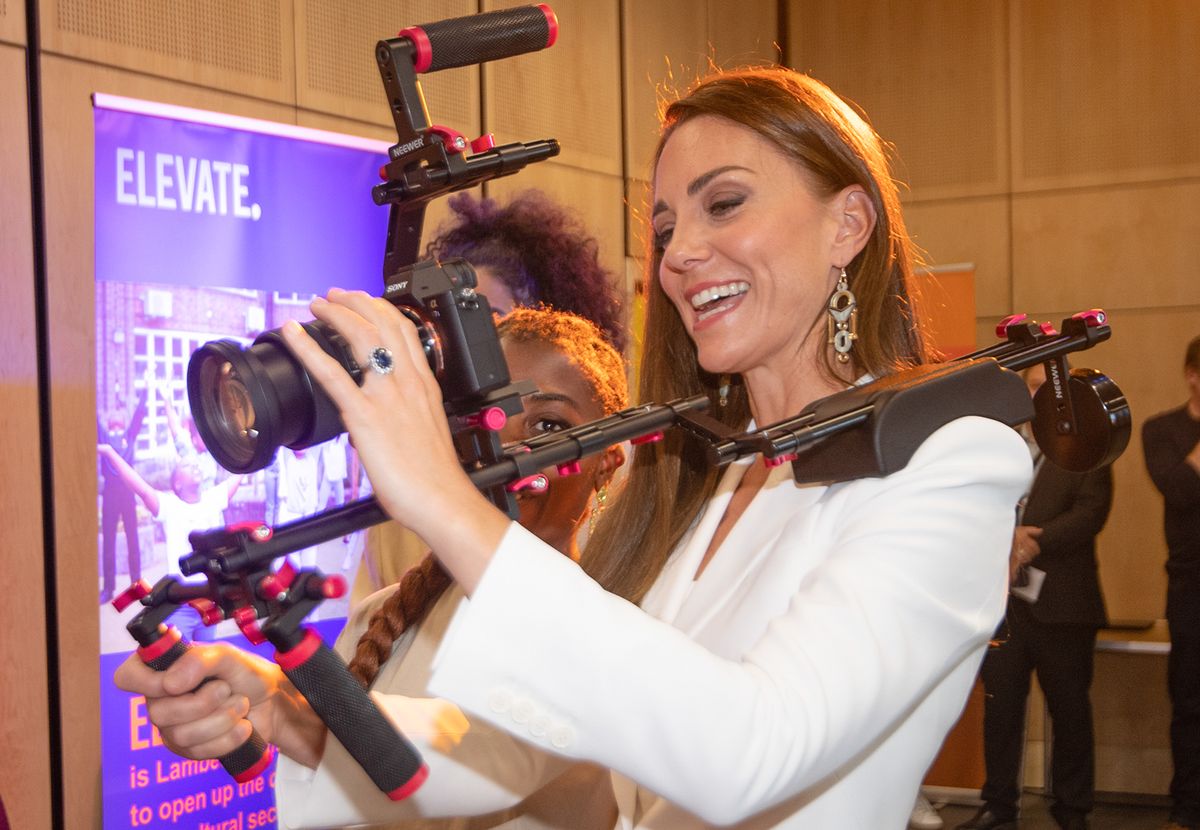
249,402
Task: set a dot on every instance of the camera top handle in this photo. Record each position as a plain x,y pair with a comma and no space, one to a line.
429,160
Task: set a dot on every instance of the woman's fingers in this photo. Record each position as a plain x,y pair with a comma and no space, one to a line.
200,704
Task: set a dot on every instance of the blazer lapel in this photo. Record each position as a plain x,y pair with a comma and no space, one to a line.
750,541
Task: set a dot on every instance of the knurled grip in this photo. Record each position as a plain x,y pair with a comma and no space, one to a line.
392,763
250,759
477,38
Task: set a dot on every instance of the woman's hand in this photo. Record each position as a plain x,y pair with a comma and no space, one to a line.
202,720
399,428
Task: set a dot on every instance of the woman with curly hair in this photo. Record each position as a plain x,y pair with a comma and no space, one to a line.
529,251
532,251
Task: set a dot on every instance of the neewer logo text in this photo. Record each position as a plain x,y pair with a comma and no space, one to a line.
169,182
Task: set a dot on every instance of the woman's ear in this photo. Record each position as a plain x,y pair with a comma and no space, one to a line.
856,222
610,460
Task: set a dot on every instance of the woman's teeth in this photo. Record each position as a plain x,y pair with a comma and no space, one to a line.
708,302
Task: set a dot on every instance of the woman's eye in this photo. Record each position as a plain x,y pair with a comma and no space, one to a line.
720,207
661,239
541,425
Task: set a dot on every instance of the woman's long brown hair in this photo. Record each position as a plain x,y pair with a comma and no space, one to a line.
670,481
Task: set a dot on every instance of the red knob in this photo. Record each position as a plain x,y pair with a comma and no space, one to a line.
130,595
1010,320
647,439
536,482
779,460
1094,317
571,468
491,418
333,586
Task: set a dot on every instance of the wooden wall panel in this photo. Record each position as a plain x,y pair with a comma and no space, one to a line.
570,92
666,48
335,61
931,75
12,24
743,33
246,46
1132,719
24,712
67,85
1145,358
668,45
1129,247
1102,92
970,230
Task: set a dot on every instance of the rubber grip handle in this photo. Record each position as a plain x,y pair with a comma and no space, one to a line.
250,759
352,716
477,38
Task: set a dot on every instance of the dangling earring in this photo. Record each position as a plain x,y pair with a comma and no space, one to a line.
723,391
843,319
594,514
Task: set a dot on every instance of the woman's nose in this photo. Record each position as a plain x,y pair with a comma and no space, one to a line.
685,249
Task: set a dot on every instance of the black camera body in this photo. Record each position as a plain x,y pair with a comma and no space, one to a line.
456,329
247,403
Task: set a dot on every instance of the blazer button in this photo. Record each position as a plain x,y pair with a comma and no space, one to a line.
499,701
539,726
561,736
522,710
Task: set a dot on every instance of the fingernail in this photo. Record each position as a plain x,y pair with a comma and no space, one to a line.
292,327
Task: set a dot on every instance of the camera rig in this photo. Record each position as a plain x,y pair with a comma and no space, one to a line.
1080,418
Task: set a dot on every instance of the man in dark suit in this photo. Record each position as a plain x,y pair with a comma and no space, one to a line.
1054,611
1171,441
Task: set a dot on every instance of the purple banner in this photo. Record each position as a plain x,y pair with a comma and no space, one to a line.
199,204
203,231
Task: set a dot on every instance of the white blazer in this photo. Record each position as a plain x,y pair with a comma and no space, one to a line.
806,679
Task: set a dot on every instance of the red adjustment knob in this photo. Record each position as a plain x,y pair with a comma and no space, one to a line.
258,531
491,418
571,468
485,142
130,595
452,140
647,439
333,586
247,621
273,586
1093,317
383,172
270,588
1048,329
1010,320
772,461
536,482
210,614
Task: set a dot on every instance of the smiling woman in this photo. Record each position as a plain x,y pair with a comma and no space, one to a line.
738,648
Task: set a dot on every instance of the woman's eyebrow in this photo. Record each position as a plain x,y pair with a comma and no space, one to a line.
550,397
697,184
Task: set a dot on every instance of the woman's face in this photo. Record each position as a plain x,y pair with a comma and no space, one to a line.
748,248
564,399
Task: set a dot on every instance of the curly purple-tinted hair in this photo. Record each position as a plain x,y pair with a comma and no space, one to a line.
540,250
